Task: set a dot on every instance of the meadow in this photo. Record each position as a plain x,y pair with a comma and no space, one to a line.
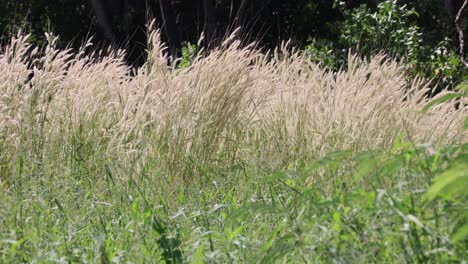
241,156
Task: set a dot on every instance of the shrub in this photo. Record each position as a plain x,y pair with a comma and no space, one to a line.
390,29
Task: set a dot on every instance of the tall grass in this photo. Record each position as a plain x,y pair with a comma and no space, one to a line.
112,157
235,102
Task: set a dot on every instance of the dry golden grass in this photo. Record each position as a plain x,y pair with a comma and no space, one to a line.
235,103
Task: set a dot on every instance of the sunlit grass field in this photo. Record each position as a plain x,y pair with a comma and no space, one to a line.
241,156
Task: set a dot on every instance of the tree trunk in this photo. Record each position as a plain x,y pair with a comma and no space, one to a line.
170,27
102,18
452,7
458,26
210,23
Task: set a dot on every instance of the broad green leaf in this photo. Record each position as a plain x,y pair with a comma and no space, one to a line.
460,234
368,163
462,87
392,166
450,181
442,99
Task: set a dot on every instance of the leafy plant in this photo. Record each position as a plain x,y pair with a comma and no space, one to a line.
189,53
391,29
324,53
450,184
386,220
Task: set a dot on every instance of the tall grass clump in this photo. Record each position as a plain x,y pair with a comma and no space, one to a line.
232,106
101,162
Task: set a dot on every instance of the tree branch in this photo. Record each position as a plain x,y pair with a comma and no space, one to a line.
461,38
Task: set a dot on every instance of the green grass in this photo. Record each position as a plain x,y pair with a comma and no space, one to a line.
88,211
345,207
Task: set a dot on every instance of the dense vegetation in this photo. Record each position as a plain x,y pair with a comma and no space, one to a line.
237,152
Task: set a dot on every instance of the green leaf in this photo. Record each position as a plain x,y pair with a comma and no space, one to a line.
442,99
460,234
368,163
331,161
16,244
337,221
392,166
279,175
271,239
197,257
462,87
450,183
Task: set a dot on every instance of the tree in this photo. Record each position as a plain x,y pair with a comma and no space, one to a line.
452,7
170,27
102,19
458,25
209,14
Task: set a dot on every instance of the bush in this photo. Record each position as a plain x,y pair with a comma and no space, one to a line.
391,29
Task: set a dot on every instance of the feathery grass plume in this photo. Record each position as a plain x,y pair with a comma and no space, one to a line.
14,91
234,104
313,111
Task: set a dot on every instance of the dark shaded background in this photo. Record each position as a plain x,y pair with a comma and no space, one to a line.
122,22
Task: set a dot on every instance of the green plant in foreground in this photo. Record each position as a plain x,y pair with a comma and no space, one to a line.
450,185
388,220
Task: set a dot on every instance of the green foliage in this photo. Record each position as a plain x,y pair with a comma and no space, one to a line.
189,53
324,53
391,28
462,92
450,184
380,222
386,29
407,204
